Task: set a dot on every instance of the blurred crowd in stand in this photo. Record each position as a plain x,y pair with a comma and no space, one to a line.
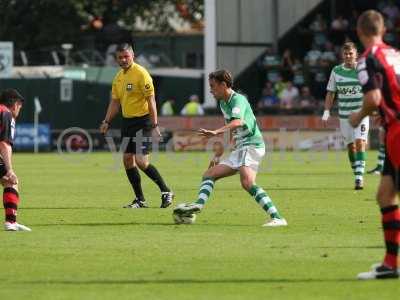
297,85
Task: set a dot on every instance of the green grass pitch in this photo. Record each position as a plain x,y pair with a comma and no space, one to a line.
84,245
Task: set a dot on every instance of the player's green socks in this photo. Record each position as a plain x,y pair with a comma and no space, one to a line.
206,188
381,156
264,201
360,165
352,159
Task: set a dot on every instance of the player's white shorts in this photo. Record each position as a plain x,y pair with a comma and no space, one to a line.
351,134
248,156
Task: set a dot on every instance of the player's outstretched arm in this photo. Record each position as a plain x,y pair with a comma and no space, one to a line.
228,127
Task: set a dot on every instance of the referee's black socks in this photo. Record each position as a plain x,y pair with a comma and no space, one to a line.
134,179
154,175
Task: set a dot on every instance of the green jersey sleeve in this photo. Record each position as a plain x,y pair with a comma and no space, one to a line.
238,106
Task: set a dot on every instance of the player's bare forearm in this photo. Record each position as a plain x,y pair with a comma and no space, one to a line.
370,104
329,99
228,127
152,109
6,153
112,110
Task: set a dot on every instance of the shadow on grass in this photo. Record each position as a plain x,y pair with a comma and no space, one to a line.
230,189
106,224
82,207
189,281
309,189
304,173
350,247
141,224
326,247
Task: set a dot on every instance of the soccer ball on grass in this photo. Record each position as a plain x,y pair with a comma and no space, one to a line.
180,219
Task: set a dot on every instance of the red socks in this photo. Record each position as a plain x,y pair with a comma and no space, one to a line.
391,230
10,202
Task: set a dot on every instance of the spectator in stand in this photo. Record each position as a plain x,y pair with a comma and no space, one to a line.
328,57
391,10
193,107
279,86
268,98
340,24
305,100
339,27
391,14
267,86
271,59
167,109
271,63
313,56
352,33
319,24
298,72
319,27
297,65
390,34
287,64
289,93
319,82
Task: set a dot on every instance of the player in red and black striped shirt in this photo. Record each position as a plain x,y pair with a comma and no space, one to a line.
10,105
379,74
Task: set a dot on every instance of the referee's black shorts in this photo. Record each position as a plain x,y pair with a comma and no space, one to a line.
136,135
390,170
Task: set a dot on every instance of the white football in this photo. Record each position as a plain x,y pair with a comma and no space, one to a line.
178,219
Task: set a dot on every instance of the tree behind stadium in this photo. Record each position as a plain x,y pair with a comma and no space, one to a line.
37,24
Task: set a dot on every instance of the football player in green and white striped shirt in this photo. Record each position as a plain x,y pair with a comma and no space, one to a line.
343,83
246,156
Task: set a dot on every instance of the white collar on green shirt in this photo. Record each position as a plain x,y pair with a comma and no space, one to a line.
230,97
